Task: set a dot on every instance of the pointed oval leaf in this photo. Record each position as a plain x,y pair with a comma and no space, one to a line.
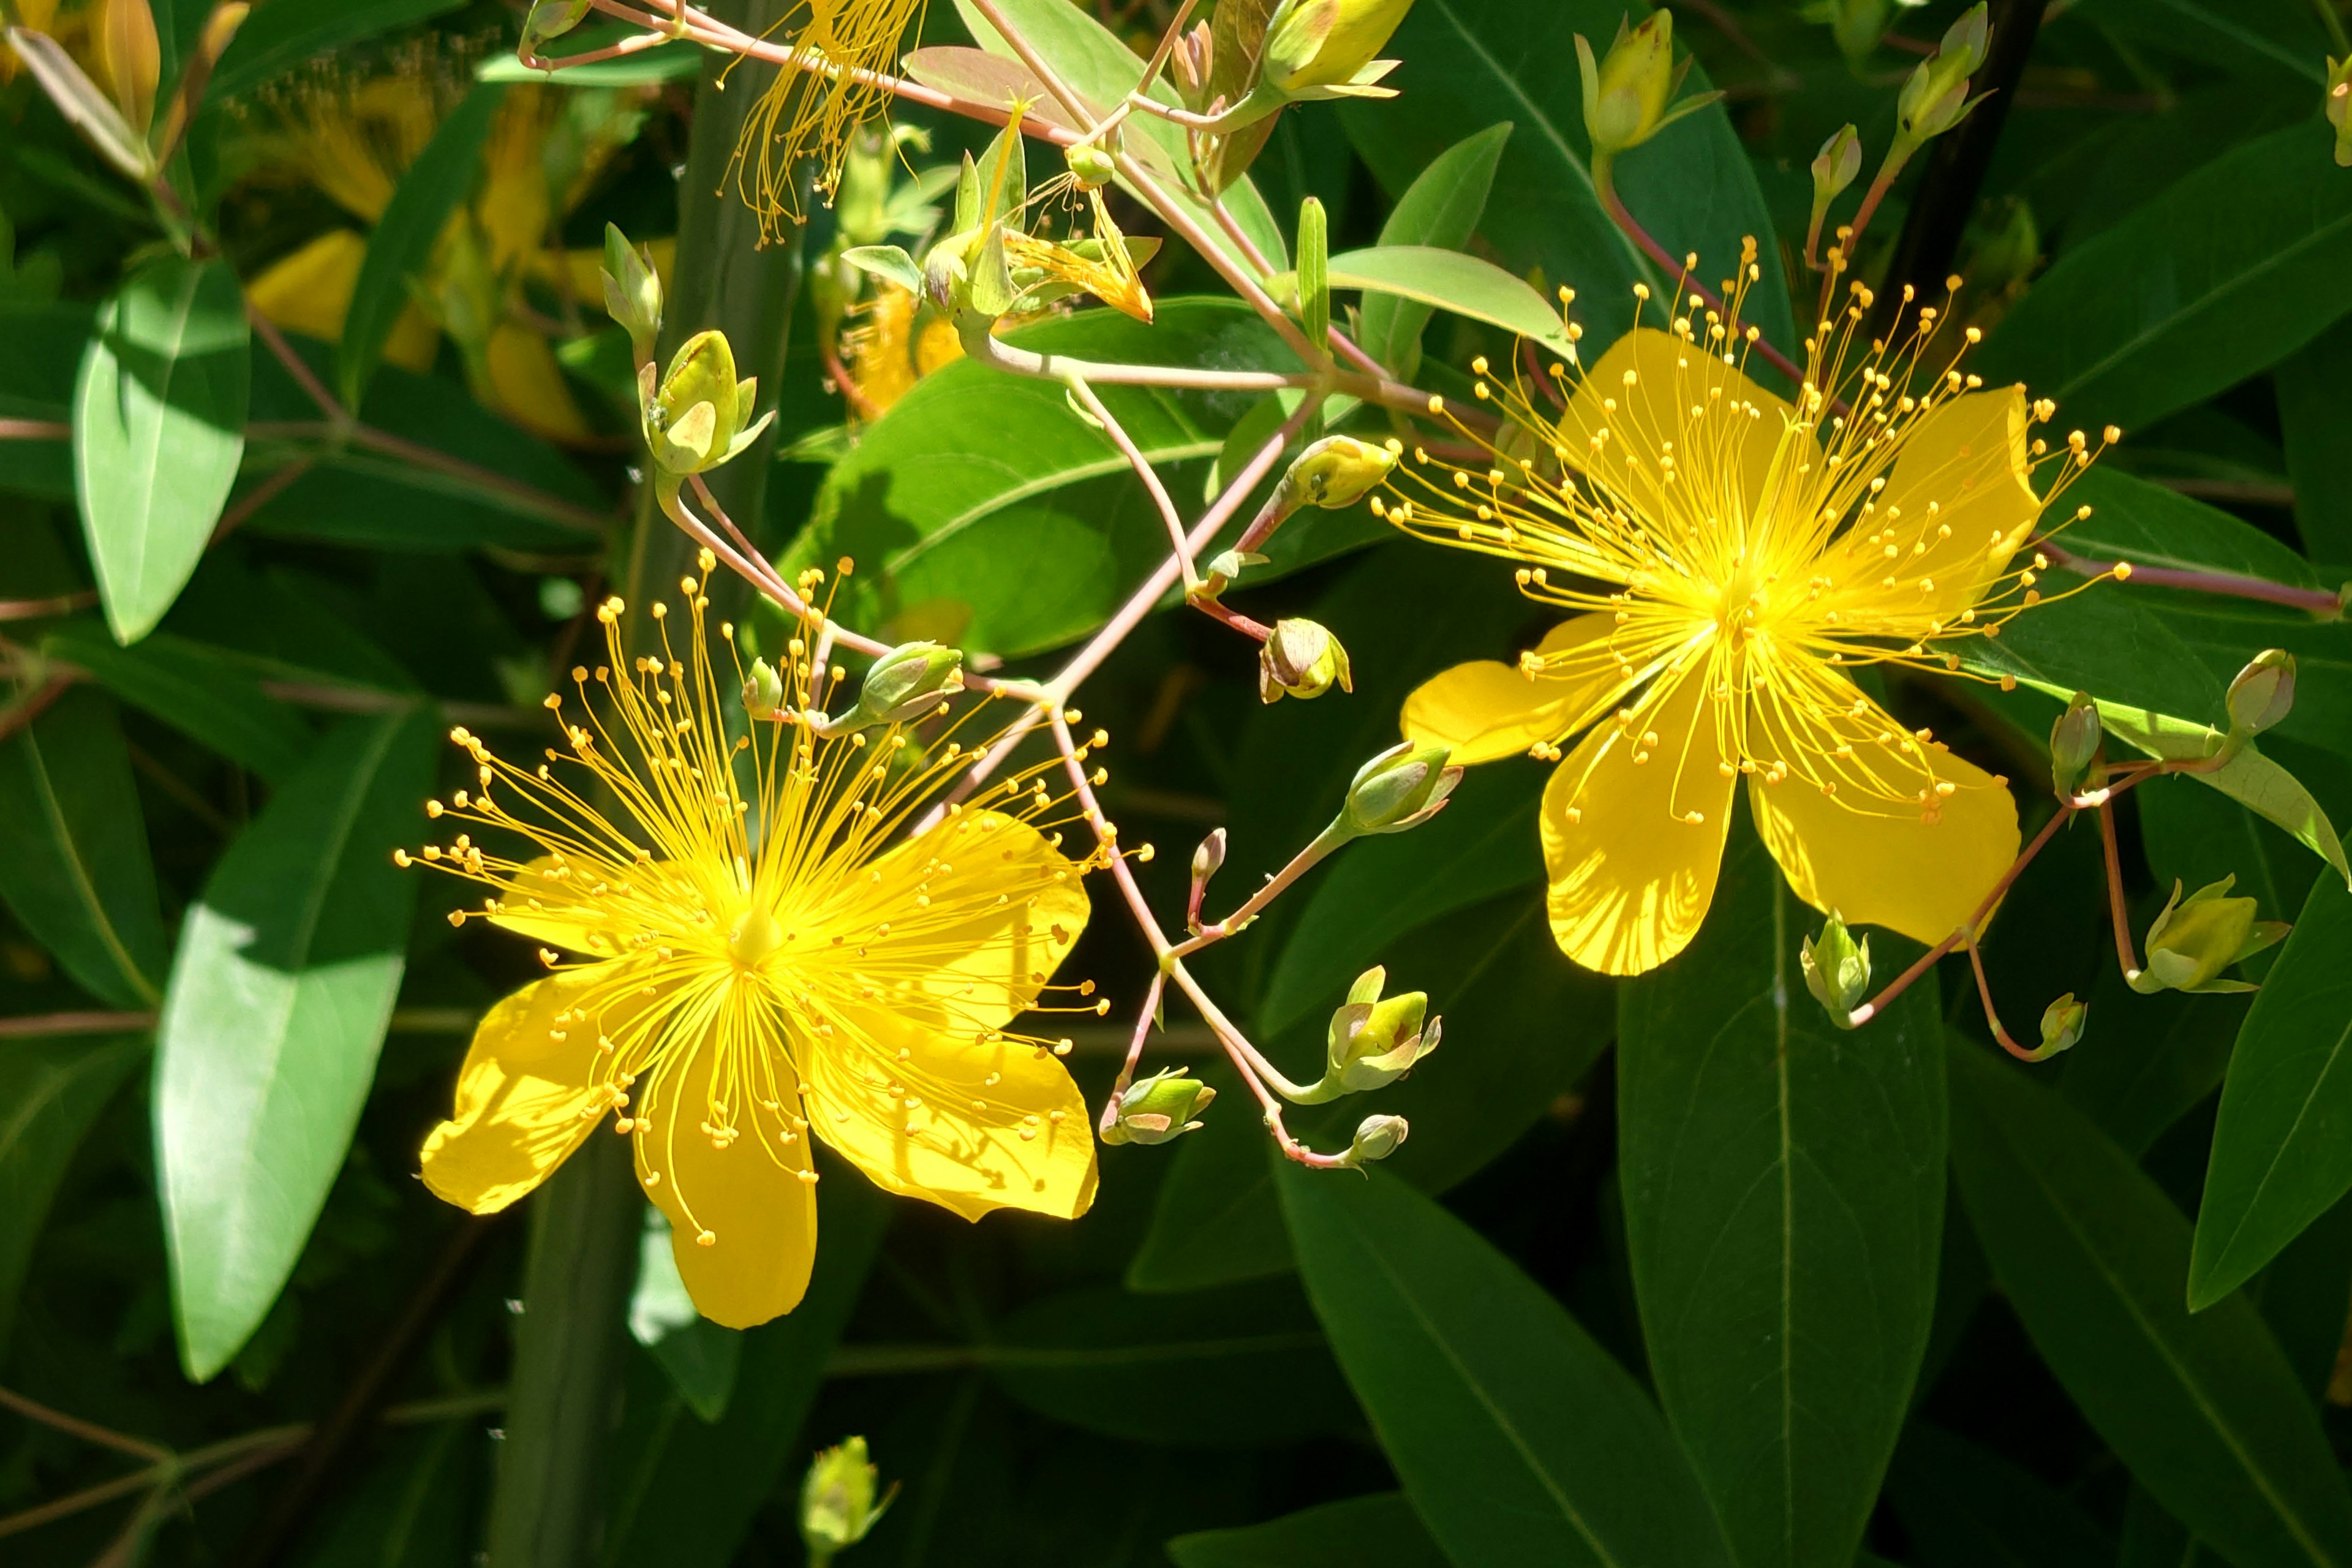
1449,280
193,688
1376,1531
51,1092
1441,207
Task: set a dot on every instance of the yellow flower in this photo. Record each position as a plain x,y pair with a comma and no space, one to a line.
752,959
817,103
887,352
1733,559
1105,265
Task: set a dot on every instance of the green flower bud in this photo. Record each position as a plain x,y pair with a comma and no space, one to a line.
763,691
694,421
1376,1138
1837,969
1402,788
1157,1109
1301,659
1373,1041
632,293
2264,692
910,682
1324,48
1091,167
2196,937
1226,568
1627,95
2061,1025
1336,472
2339,108
2073,745
550,19
1834,168
1936,97
839,1506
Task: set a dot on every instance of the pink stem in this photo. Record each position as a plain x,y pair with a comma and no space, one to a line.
1623,218
296,366
1144,471
34,430
42,609
2318,601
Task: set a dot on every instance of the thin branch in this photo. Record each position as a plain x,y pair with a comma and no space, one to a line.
49,1026
42,609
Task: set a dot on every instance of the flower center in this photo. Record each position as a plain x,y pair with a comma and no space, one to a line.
1743,605
754,937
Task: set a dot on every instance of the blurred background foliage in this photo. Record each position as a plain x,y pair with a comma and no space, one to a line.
1670,1273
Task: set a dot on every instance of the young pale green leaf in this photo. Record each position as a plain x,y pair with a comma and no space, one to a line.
1376,1531
278,1004
401,247
1784,1201
196,689
683,1492
74,865
159,431
2223,276
2282,1144
888,262
2204,1410
284,35
1451,280
1518,1440
1442,207
2250,778
1964,1508
676,61
51,1092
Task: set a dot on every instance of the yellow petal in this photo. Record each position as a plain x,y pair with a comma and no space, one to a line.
1956,508
1876,862
992,1125
750,1197
525,1098
413,342
1486,709
558,911
1005,909
1728,451
514,210
1632,876
309,291
529,385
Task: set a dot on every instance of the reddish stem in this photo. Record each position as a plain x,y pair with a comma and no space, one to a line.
34,430
1616,209
2232,584
2120,915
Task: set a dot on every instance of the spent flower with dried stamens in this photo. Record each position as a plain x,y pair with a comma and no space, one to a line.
1731,560
751,949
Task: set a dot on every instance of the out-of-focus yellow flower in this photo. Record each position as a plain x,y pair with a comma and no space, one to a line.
763,951
893,346
1732,558
41,16
353,144
816,104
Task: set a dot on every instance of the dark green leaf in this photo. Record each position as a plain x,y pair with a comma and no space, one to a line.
700,1357
2149,525
2153,1539
159,430
1784,1200
2315,413
2145,1061
278,1003
74,863
2302,1292
195,689
2196,836
1376,1531
46,343
284,33
52,1090
2223,275
1964,1508
401,246
1442,207
1518,1440
2271,37
411,1510
2205,1410
1216,1220
2283,1145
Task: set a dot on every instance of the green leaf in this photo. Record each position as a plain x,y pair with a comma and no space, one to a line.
2250,778
2315,415
2282,1144
982,510
74,865
1784,1204
284,35
1441,207
1243,1365
1469,63
158,432
2149,525
684,1494
1215,1220
700,1357
46,343
2146,1060
413,1508
1449,280
196,689
1314,275
401,246
278,1000
2223,276
676,61
2195,834
2153,1539
2273,38
1964,1508
1518,1440
1376,1531
2204,1410
52,1091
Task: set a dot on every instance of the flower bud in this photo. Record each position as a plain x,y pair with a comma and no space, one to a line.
694,422
1936,97
129,56
2061,1025
1402,788
1837,969
1834,167
1376,1138
1157,1109
1210,858
1627,95
837,1499
1091,167
1324,48
2262,693
633,294
1336,472
902,686
1373,1041
1301,659
550,19
2196,937
763,691
2339,108
2073,745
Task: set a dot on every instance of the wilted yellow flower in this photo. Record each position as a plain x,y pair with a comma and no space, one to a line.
1105,264
749,946
817,103
1732,559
